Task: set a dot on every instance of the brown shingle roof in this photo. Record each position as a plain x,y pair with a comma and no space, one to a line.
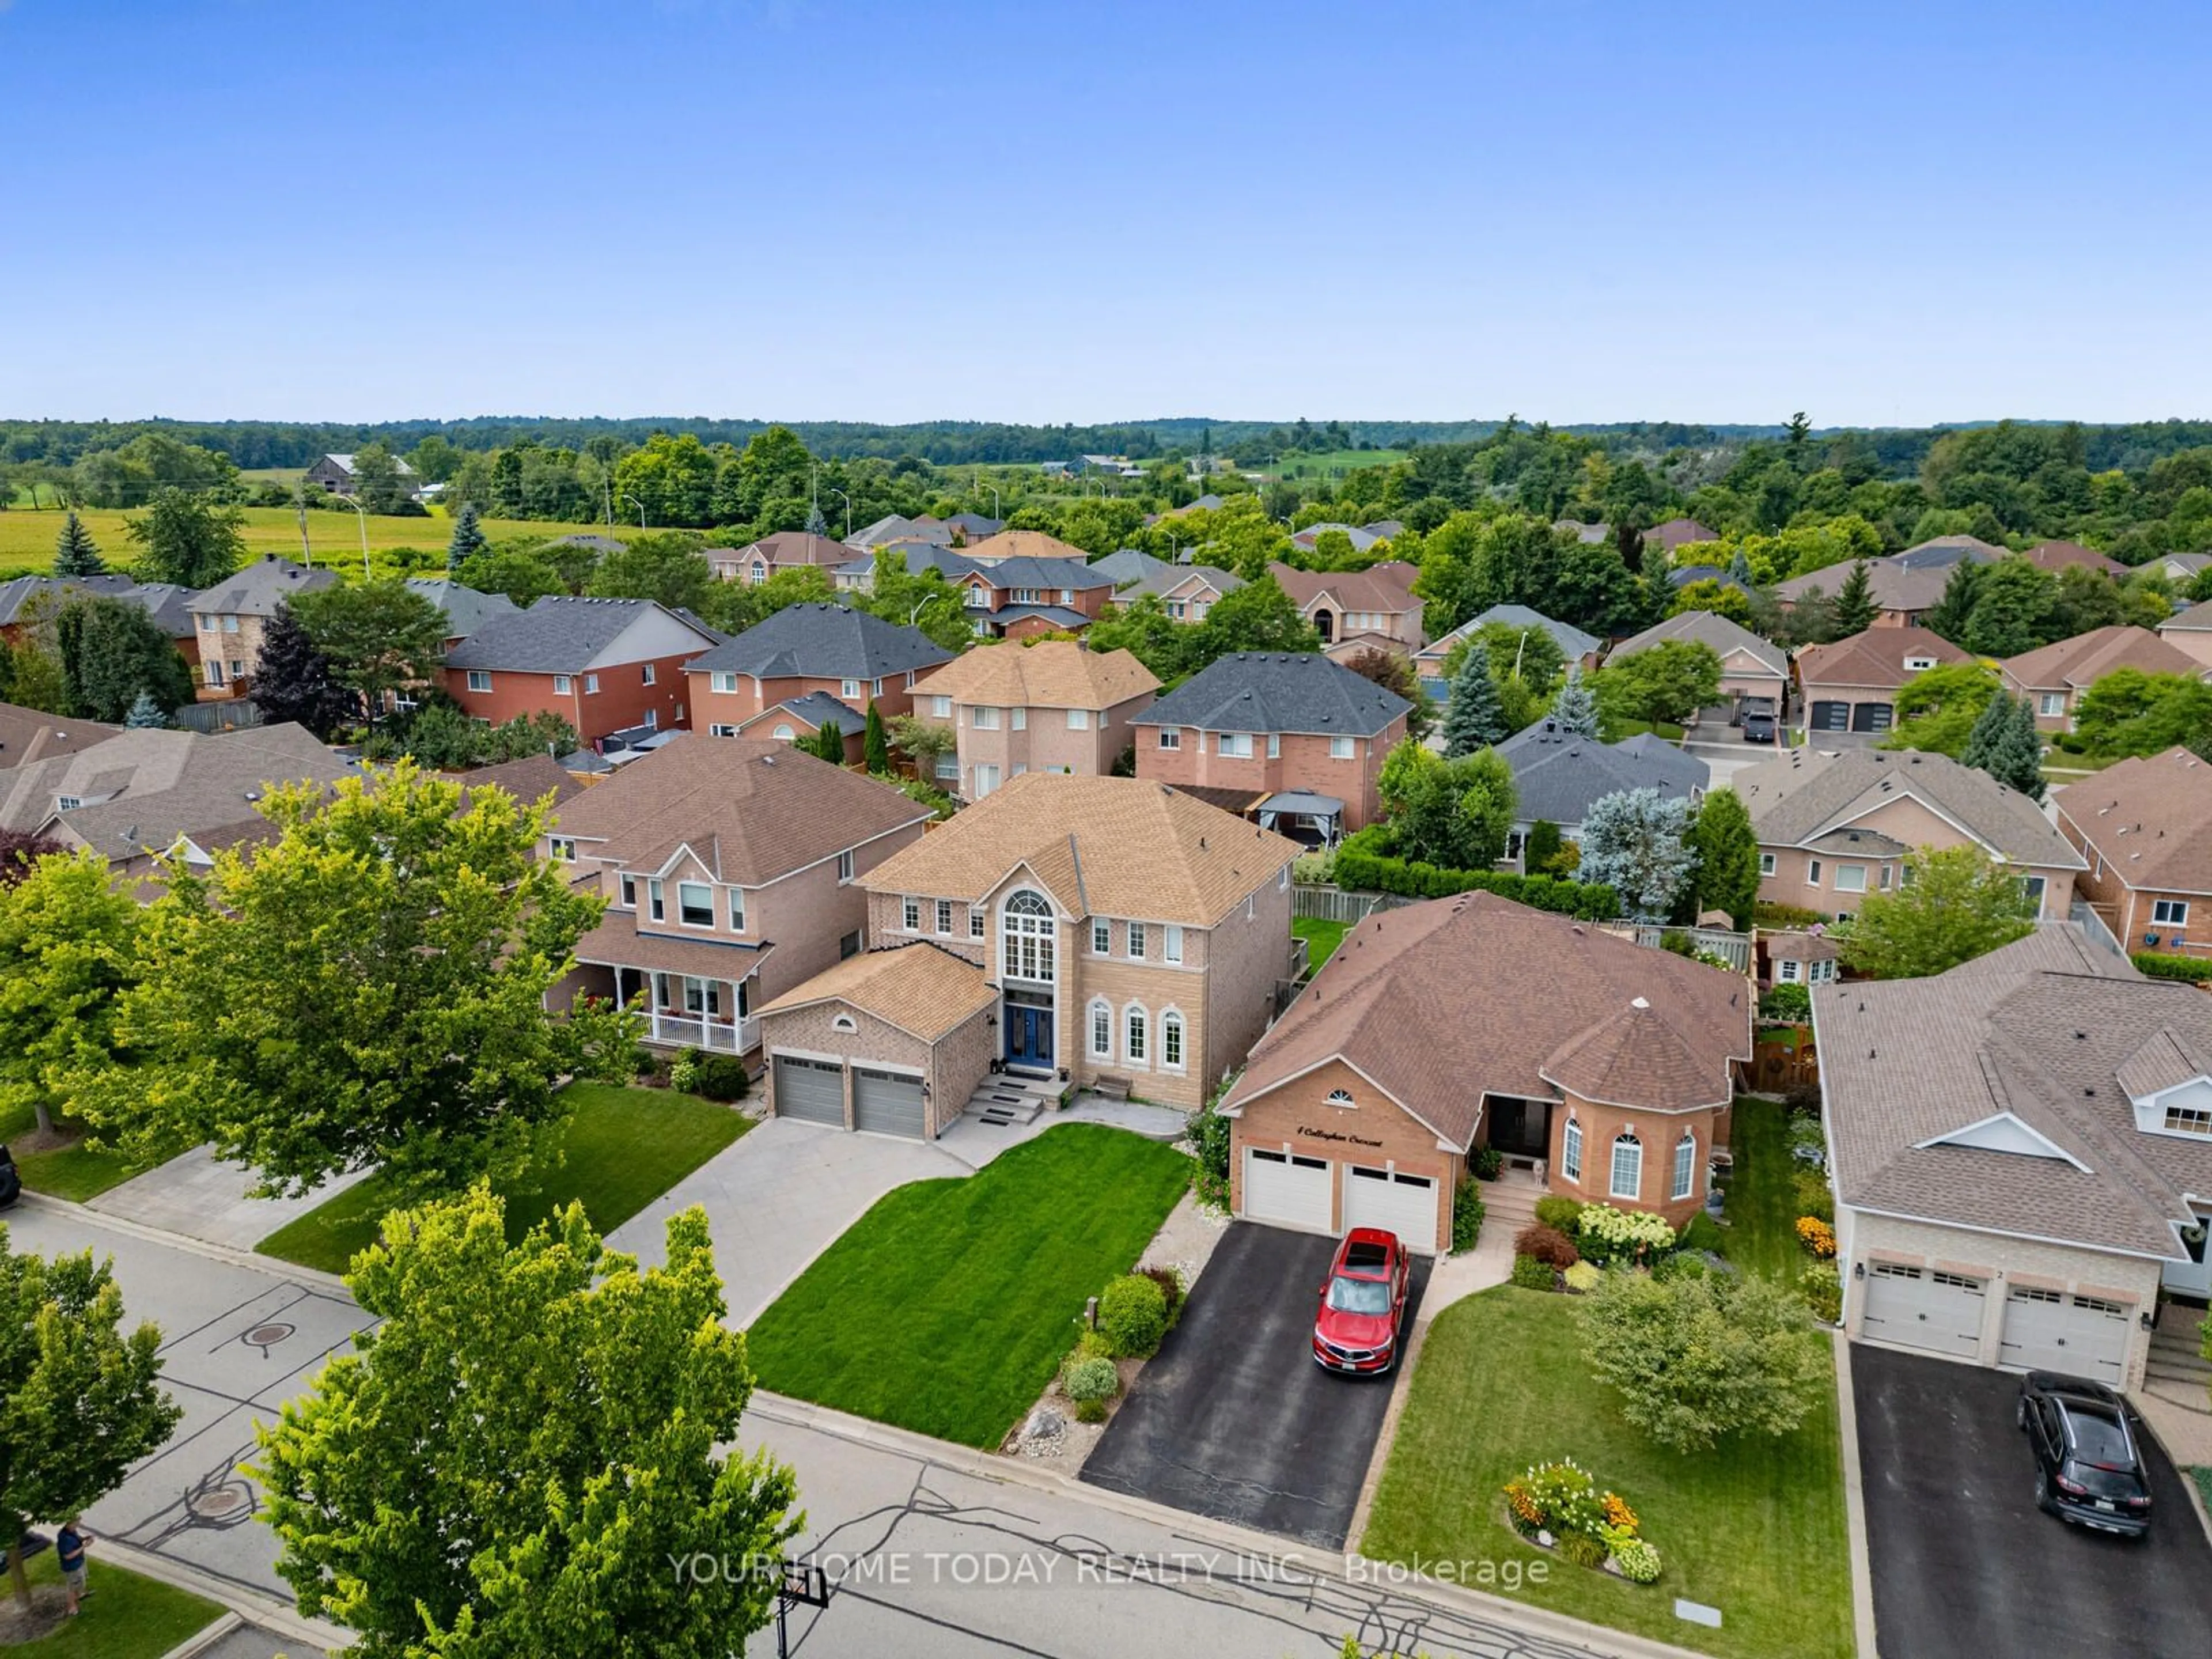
2087,658
1795,801
31,734
1051,674
2061,556
1443,1003
1114,846
752,810
1386,586
529,780
2150,820
1022,544
1894,587
1875,658
922,990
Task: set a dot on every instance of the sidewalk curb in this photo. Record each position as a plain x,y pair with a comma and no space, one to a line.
1847,1420
249,1606
2189,1486
274,1266
1348,1570
202,1640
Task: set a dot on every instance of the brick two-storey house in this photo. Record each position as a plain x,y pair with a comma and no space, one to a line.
603,666
2145,827
230,617
787,550
786,665
1354,611
1055,706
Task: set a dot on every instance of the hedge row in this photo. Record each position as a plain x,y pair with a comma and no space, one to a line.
1360,869
2192,968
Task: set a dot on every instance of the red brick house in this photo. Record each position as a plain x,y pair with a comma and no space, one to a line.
1291,740
1353,610
1019,597
805,653
603,666
2145,827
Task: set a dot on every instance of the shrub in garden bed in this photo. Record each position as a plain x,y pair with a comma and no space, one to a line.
1547,1244
1531,1274
1810,1192
1489,1164
1823,1286
1132,1312
1209,1137
1606,1235
1700,1232
1090,1380
1582,1276
1557,1210
1467,1217
1589,1525
1816,1236
1171,1283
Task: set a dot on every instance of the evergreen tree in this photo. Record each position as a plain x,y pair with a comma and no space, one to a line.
1855,605
2005,744
1576,708
1727,857
468,536
1961,590
1634,841
1476,717
1739,569
829,743
146,714
74,555
295,682
876,745
112,652
816,524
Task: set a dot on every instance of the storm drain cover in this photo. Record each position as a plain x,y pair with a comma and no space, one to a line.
222,1502
265,1337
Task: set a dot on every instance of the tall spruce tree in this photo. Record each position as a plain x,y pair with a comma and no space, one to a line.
876,745
146,714
74,553
468,536
1476,717
2005,744
1855,604
1576,707
294,683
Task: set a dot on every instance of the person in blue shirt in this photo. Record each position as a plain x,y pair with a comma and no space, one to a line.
69,1551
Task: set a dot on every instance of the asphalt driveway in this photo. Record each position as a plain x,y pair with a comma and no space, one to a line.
1232,1419
1963,1561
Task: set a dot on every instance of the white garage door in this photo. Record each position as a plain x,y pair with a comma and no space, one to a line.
1287,1190
887,1103
812,1091
1920,1308
1402,1204
2051,1331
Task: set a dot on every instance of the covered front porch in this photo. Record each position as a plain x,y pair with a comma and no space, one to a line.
693,993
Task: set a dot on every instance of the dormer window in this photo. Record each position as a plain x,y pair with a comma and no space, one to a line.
2189,1120
1918,665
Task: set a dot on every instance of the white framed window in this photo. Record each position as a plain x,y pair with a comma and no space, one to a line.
1766,864
629,885
1136,940
722,729
651,673
2188,1120
1018,718
944,916
1918,665
695,904
1135,1027
758,574
1171,942
1171,1041
591,685
2032,886
1819,973
1171,737
910,915
2170,913
948,768
983,718
213,675
1812,872
1274,745
562,849
1340,1098
783,732
1571,1151
656,902
848,688
975,922
479,679
1101,1029
1102,938
941,708
1786,972
1078,719
561,683
737,909
1237,746
2051,702
1340,748
1627,1175
1685,1164
845,864
230,624
723,681
1026,931
1851,879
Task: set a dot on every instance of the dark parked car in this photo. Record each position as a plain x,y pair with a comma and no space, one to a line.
1362,1304
11,1184
1756,716
2087,1469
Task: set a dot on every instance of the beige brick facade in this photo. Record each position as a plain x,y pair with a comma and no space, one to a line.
950,1069
1904,820
1034,738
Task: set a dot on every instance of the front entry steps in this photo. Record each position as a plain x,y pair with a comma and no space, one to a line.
1005,1100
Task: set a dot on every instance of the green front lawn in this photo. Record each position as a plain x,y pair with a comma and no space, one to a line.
74,1172
947,1307
126,1615
1321,938
1761,1237
623,1147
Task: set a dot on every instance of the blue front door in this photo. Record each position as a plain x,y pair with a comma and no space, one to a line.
1028,1037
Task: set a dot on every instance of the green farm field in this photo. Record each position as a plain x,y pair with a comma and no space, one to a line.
1332,465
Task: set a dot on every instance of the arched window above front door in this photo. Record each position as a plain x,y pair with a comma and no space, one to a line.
1027,931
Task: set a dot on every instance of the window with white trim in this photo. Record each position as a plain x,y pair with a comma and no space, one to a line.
721,730
1274,745
736,909
2189,1120
1339,1097
941,707
479,679
591,685
1627,1175
1101,1029
983,717
628,886
1171,942
1851,879
1102,938
560,683
910,915
2051,702
1136,940
560,848
845,864
656,903
1237,746
2170,913
1133,1022
944,916
1171,737
1078,719
1786,971
1685,1164
1171,1042
1766,864
650,673
1340,748
721,681
1813,873
695,904
848,688
1018,718
1571,1151
1026,933
1819,973
975,922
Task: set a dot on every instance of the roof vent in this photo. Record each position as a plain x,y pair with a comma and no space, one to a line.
2091,1093
1638,1002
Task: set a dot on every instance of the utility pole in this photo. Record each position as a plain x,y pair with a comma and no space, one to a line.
362,514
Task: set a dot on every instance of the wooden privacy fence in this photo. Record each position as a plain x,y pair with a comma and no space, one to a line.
1783,1057
1334,904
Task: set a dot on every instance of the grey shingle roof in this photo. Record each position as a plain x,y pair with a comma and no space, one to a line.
164,601
814,708
558,635
1708,627
1175,575
466,610
1278,691
1128,564
822,640
259,588
2043,1030
1558,774
1793,800
1573,643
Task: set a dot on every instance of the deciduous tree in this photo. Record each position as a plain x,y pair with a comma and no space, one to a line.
922,742
670,570
1257,616
377,483
68,950
368,988
186,539
566,1426
1455,814
114,652
1667,682
377,637
1936,710
1952,906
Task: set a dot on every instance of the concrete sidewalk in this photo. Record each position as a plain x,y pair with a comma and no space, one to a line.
201,1198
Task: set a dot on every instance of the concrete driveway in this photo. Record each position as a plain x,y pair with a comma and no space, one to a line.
201,1198
1963,1561
1232,1419
778,1198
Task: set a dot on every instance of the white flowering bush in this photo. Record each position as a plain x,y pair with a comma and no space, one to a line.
1606,1234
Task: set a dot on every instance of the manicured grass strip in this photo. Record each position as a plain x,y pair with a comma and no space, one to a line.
1321,938
1761,1237
1754,1527
76,1172
947,1307
2203,1477
126,1616
624,1148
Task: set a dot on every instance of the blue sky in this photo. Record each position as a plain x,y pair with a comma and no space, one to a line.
1572,210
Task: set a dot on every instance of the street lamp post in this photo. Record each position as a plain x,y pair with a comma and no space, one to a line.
361,512
636,503
848,500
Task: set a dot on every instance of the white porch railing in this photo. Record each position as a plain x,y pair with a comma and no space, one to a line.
688,1032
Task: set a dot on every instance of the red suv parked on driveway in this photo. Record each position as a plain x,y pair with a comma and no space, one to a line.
1362,1304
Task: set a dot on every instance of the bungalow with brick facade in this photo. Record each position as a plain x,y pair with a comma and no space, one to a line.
2145,827
603,666
1835,825
801,654
1848,689
1355,610
1607,1067
1559,774
1750,667
1290,740
731,872
230,617
2053,677
1186,591
1064,930
1055,706
787,550
2021,1155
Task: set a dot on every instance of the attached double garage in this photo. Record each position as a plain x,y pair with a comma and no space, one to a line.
1989,1300
879,1099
